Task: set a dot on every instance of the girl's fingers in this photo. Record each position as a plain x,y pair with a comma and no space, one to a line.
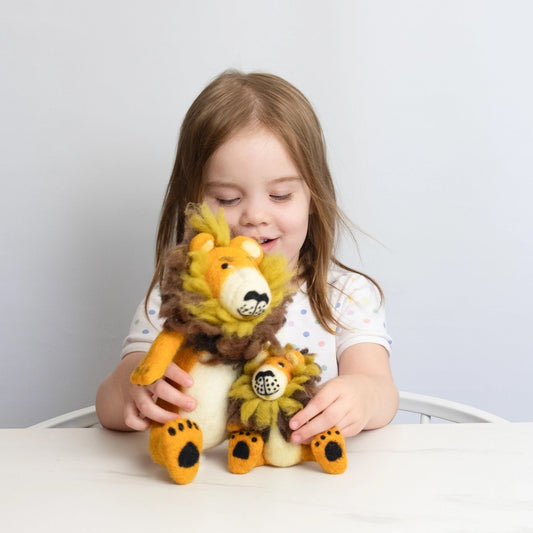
319,404
330,417
352,428
178,375
329,408
133,419
317,425
167,392
345,424
143,408
147,408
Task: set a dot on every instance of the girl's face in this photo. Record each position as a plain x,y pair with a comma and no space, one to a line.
256,182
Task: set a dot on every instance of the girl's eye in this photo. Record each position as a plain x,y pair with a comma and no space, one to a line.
281,197
227,201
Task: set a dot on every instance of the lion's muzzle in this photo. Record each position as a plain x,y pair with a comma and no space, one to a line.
269,383
254,304
245,293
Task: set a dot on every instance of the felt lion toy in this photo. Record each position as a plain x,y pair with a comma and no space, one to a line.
222,300
273,387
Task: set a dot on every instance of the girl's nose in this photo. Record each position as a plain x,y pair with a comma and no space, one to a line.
254,213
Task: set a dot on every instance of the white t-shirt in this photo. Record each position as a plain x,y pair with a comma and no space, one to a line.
356,304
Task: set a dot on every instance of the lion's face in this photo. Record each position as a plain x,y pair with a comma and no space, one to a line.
272,388
270,380
238,284
233,275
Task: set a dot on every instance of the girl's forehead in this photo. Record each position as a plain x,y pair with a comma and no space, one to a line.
229,183
253,154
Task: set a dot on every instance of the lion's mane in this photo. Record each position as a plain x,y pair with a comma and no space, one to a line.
256,414
188,307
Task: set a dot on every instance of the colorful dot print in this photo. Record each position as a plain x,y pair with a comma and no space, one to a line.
355,304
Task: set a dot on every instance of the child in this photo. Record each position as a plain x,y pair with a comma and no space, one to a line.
252,144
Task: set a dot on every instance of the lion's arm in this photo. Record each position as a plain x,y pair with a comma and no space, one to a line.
158,357
230,427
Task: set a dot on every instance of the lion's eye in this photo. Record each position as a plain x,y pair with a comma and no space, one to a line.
225,265
282,365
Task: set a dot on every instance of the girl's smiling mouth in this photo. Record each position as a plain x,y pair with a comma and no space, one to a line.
266,243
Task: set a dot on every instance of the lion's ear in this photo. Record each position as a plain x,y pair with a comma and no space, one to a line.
202,241
260,357
250,246
294,357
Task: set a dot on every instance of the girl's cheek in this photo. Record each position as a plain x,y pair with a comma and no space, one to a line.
231,219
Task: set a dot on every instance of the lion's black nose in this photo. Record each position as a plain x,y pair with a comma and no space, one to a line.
258,297
265,383
254,304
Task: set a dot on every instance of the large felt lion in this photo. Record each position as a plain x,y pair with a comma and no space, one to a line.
222,301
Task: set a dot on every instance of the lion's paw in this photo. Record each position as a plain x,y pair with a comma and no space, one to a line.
144,375
177,446
329,451
245,451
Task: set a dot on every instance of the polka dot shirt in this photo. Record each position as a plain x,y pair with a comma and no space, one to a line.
356,303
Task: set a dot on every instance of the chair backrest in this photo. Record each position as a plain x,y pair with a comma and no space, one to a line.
81,418
428,407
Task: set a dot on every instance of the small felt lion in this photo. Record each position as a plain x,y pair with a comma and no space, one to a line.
222,301
273,387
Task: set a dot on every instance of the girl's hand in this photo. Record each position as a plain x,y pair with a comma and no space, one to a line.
140,407
363,396
123,406
340,402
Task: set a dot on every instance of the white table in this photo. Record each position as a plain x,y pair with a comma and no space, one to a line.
441,477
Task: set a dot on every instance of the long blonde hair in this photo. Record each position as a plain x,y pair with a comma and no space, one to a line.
229,103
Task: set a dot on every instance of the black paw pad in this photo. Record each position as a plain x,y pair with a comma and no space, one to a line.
333,451
241,451
188,456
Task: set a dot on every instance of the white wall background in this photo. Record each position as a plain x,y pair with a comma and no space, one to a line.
427,110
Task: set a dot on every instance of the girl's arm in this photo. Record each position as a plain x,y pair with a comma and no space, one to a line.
362,396
123,406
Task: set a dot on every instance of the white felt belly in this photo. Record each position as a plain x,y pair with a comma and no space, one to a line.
210,390
279,452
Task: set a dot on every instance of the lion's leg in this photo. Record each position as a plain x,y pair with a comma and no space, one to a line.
177,446
245,451
329,451
157,359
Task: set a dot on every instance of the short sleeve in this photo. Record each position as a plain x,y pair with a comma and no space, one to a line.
360,311
145,325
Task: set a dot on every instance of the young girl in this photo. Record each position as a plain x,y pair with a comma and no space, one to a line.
252,144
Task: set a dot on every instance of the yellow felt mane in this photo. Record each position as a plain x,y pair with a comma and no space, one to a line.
273,268
265,412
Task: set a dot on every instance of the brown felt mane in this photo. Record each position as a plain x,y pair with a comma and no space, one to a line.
202,335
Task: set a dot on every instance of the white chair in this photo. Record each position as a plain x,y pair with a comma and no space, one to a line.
428,407
81,418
